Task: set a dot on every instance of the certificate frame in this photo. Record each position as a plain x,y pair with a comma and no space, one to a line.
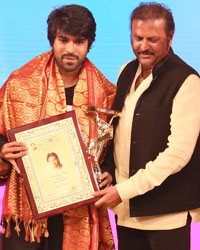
50,191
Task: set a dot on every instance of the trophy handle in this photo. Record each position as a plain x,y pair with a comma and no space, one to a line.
96,145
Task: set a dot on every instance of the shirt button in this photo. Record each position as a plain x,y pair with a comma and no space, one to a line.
133,171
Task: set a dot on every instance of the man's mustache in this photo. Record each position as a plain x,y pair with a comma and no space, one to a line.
145,52
70,55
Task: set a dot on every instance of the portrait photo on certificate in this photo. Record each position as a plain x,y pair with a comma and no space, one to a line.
56,172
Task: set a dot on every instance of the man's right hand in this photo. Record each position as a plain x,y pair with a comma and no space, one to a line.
11,151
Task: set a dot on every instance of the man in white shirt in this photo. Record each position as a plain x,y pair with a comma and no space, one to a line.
155,154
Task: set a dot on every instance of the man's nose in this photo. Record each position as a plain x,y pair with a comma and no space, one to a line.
144,45
70,47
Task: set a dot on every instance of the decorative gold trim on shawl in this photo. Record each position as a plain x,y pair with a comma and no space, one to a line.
36,91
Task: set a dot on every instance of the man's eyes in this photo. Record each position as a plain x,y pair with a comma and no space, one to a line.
77,41
63,40
137,38
80,41
152,40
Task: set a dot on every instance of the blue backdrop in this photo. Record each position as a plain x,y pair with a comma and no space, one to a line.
23,32
23,36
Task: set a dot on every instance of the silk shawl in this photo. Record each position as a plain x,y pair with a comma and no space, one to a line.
34,92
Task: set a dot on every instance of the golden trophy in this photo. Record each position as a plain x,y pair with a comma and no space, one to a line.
105,133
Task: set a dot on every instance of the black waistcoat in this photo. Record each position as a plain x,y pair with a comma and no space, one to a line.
150,131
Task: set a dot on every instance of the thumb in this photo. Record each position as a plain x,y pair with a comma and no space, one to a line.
99,193
14,164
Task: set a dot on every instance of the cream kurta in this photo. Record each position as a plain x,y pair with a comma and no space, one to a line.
185,126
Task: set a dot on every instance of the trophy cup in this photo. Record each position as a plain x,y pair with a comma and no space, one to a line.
105,133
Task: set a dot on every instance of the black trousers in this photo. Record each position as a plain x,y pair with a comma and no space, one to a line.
134,239
53,242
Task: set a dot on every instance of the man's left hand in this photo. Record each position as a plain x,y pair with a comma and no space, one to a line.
109,197
105,179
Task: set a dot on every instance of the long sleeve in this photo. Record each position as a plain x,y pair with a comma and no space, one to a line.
185,126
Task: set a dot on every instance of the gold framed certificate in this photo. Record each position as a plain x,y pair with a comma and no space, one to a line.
56,172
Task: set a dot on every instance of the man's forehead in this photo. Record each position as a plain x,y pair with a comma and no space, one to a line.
66,34
153,21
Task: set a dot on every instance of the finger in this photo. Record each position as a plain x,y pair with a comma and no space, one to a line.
8,149
104,201
15,143
105,183
14,155
14,146
99,203
106,177
14,164
103,176
99,193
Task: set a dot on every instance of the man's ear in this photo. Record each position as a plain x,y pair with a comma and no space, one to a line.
170,38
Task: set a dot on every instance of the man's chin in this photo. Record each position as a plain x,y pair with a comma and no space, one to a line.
146,62
70,68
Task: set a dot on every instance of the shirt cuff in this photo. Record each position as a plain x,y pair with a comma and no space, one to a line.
126,190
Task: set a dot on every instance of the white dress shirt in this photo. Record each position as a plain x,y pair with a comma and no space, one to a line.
185,127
